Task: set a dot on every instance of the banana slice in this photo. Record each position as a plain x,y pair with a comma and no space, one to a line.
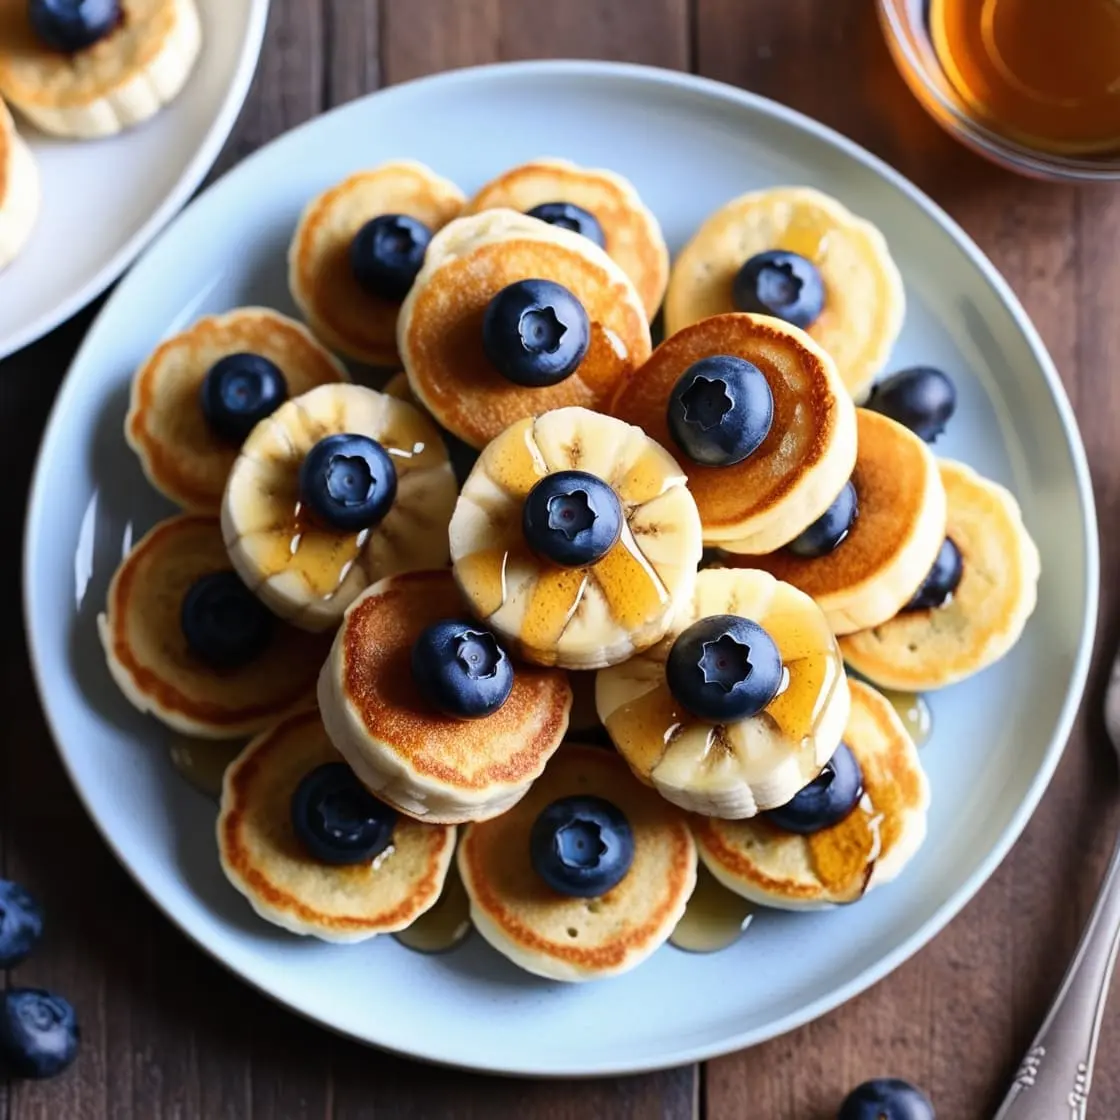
739,769
577,618
303,570
19,189
122,79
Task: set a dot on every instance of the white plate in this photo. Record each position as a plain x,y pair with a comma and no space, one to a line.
104,200
689,145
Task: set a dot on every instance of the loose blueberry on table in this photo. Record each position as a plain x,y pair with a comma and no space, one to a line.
572,518
567,215
224,623
721,410
535,333
238,392
337,819
826,800
581,846
348,482
943,578
827,533
387,253
38,1033
21,923
461,670
922,399
886,1098
73,25
785,285
724,668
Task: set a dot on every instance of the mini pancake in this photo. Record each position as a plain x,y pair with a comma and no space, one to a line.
423,763
839,864
892,544
565,938
156,670
440,327
577,618
631,233
734,769
864,297
183,458
19,190
764,501
265,860
919,651
123,79
340,312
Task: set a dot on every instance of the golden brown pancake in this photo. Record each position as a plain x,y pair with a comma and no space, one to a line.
839,864
440,327
431,766
182,456
149,657
763,502
892,544
340,312
265,860
631,233
566,938
919,651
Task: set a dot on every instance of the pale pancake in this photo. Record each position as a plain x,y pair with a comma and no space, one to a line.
183,457
340,312
151,662
265,860
842,863
631,233
125,78
864,297
566,938
19,189
919,651
426,764
892,543
763,502
439,331
732,769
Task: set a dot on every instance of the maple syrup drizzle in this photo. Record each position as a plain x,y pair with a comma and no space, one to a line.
714,917
445,925
844,856
914,711
203,762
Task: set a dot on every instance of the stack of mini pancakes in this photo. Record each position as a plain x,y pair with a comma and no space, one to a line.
832,536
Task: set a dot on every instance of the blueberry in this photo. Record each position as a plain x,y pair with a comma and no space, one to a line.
720,410
781,284
938,586
38,1033
461,670
224,623
73,25
567,215
535,333
581,846
571,518
830,529
826,800
348,481
386,254
337,819
21,923
921,398
724,668
238,392
886,1098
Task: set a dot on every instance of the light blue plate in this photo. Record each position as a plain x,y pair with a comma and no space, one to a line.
689,145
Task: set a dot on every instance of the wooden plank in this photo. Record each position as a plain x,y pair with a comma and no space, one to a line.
353,44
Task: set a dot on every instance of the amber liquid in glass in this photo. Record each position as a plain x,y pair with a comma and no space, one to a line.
1043,72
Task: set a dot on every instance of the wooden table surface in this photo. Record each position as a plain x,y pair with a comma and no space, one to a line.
167,1032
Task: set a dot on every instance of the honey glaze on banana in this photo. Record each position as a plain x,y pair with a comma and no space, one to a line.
203,762
714,917
445,925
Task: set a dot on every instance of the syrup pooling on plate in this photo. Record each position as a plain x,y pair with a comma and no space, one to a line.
914,711
446,924
203,762
714,918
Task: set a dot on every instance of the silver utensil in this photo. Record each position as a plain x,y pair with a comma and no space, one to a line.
1055,1075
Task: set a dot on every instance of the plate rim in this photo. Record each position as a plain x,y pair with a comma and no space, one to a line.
710,89
173,202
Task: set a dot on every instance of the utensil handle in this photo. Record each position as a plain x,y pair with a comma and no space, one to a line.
1054,1078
